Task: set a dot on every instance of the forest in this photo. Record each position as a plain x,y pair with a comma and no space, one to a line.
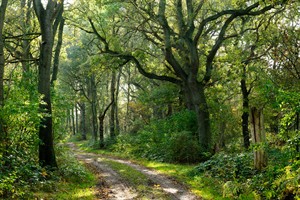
198,96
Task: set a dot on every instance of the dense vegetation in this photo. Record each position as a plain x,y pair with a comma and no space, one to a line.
209,83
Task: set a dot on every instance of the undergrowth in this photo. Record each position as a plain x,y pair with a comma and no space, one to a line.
166,140
279,180
23,178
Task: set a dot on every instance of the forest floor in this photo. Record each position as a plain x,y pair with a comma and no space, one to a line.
123,179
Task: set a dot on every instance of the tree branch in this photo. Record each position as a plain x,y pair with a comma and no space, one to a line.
150,75
102,39
237,13
39,9
221,37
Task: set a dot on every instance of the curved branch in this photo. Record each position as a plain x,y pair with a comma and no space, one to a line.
106,109
102,39
221,37
151,75
237,13
215,48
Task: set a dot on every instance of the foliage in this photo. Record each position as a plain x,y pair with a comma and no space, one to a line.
18,175
61,104
69,168
228,167
21,176
168,140
71,181
18,145
279,180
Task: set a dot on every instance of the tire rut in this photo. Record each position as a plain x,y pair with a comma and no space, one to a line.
119,189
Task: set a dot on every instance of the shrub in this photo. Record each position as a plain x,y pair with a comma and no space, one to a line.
228,167
184,147
278,182
69,168
18,174
167,140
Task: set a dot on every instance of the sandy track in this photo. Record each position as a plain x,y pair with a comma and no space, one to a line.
119,189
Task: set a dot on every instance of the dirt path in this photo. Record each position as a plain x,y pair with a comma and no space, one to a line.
111,186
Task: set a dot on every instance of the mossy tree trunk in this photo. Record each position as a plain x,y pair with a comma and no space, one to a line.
47,17
258,138
101,124
113,106
2,64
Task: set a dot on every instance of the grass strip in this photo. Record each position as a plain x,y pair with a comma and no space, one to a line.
145,188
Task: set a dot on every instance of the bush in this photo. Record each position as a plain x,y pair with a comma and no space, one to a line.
167,140
278,182
18,174
69,167
228,167
184,147
21,176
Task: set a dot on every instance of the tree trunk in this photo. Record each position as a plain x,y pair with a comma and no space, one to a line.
69,121
57,50
259,138
101,125
94,107
117,100
46,18
76,119
127,116
83,126
245,115
101,131
169,110
113,106
297,126
196,101
220,144
2,63
73,121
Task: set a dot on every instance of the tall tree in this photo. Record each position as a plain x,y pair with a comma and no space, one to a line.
59,24
93,97
83,130
189,35
113,106
258,137
2,59
101,125
46,16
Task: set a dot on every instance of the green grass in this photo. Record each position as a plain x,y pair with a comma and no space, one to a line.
88,146
66,190
72,181
205,187
144,187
